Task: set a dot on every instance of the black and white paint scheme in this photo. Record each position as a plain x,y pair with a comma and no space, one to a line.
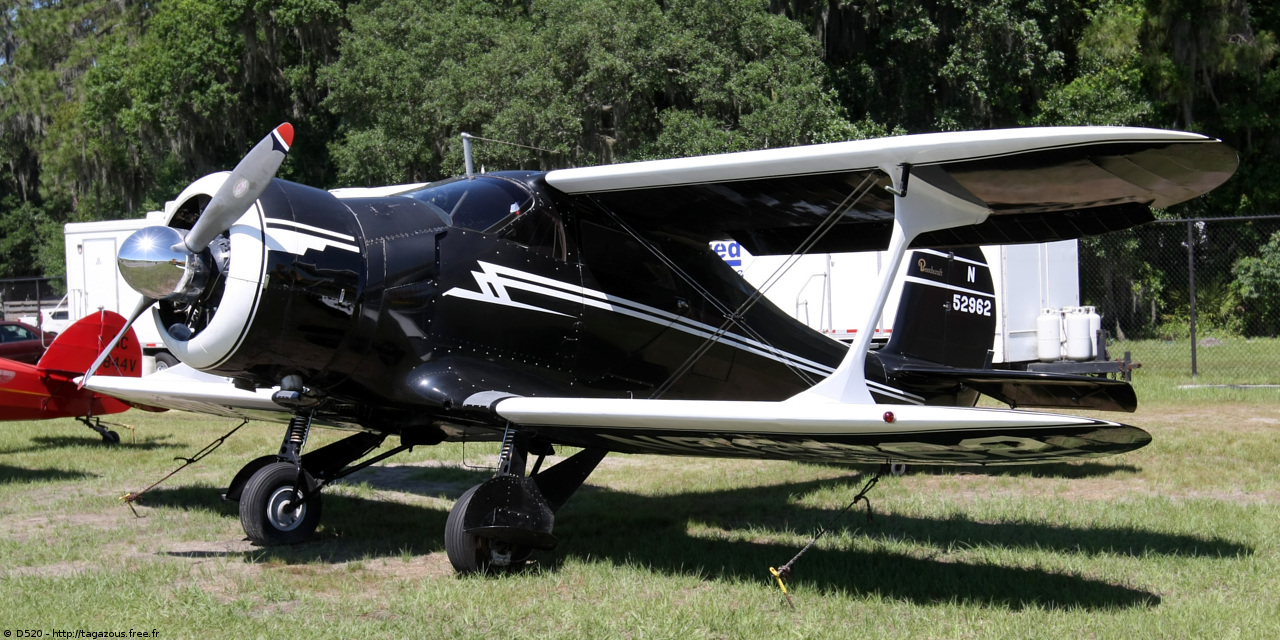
584,308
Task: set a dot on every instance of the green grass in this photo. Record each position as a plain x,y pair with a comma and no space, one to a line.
1165,376
1180,539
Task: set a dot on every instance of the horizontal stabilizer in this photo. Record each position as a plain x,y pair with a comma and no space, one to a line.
822,432
1037,389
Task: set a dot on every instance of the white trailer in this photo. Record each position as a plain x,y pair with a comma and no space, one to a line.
94,281
833,292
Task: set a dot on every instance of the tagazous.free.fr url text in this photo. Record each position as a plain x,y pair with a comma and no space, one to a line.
81,633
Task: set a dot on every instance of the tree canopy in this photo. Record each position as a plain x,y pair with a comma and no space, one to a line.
109,107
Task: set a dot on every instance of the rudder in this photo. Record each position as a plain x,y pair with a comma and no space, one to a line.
947,312
75,349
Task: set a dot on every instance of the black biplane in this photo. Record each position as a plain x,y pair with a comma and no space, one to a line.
584,308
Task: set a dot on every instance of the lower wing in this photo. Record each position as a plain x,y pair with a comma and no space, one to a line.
822,432
183,388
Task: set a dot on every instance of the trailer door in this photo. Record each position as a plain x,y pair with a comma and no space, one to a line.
101,279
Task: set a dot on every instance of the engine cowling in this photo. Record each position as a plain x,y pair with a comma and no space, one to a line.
284,290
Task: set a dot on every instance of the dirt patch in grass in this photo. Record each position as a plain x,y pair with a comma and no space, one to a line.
55,570
38,527
431,566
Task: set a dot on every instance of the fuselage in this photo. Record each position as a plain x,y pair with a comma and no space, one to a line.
28,393
397,309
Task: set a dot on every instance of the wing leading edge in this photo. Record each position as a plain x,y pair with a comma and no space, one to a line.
822,432
186,389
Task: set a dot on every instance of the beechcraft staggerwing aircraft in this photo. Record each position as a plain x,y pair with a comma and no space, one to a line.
584,308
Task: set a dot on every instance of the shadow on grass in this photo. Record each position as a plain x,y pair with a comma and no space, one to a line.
1051,470
91,439
957,531
432,482
652,532
18,475
351,528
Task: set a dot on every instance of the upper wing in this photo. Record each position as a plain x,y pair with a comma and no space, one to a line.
822,432
1040,184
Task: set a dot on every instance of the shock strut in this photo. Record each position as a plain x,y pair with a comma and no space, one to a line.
295,437
510,457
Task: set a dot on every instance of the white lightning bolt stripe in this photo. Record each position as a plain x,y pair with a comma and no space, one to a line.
494,280
500,278
276,222
299,242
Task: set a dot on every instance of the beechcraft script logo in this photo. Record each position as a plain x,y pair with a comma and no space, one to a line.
925,268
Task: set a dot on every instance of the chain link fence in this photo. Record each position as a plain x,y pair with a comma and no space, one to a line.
1194,300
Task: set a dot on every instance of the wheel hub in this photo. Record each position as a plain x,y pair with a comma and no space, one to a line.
282,512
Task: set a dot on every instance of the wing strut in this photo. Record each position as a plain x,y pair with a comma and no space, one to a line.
737,316
920,209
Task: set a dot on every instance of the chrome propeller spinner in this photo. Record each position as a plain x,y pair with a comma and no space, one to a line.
163,263
156,263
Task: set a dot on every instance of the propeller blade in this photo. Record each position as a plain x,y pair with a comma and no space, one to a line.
143,304
246,182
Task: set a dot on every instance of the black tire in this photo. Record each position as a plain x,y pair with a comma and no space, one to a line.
236,488
473,554
467,553
261,513
164,360
111,437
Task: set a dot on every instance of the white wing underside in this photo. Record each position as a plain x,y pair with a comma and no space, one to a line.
185,389
823,432
713,416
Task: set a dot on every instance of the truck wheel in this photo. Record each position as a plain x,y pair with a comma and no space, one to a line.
164,360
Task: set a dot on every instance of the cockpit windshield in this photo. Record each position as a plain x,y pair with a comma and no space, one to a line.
479,203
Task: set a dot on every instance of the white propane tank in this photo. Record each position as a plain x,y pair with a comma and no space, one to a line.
1079,346
1095,325
1049,335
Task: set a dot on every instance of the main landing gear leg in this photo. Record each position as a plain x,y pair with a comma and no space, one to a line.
500,522
108,436
264,485
280,501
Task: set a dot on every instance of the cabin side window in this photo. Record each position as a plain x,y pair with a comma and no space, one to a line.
540,230
480,203
493,205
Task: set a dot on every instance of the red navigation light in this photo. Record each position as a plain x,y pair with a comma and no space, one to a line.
889,417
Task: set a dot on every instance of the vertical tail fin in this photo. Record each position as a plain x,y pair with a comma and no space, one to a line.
947,314
77,347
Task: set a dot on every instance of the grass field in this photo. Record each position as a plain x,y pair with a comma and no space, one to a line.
1180,539
1220,361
